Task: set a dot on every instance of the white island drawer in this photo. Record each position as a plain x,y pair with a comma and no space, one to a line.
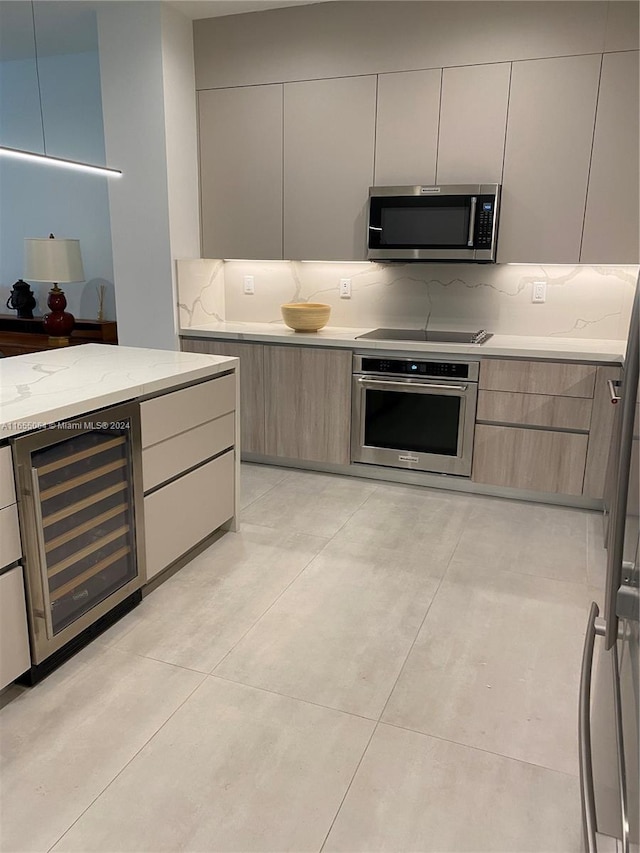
7,488
171,414
167,459
15,657
182,513
10,548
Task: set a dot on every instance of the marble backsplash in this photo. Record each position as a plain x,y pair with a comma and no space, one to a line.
581,301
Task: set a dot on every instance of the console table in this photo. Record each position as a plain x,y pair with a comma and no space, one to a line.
19,336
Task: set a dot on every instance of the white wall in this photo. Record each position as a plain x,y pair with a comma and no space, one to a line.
133,113
148,94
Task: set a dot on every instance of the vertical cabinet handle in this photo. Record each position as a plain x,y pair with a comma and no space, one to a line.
42,551
595,627
614,384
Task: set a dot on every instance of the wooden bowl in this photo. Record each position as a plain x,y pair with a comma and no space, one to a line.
305,316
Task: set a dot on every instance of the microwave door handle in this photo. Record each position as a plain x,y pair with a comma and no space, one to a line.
472,221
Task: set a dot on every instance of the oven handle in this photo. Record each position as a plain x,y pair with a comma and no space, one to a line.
410,383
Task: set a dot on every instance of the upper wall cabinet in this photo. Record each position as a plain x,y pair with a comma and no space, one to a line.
328,167
611,224
241,172
473,118
549,135
407,128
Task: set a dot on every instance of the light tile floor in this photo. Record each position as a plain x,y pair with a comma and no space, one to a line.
363,667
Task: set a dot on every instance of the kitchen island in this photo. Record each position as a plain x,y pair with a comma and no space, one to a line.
143,467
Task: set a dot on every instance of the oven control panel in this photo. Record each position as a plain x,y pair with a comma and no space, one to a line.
408,367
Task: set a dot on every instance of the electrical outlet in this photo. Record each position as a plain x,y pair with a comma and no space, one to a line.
539,292
249,285
345,288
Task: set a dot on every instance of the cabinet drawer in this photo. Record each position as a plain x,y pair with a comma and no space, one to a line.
7,487
167,459
10,549
171,414
14,638
184,512
534,459
537,377
543,410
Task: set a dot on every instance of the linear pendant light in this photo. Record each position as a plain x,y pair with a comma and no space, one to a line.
50,159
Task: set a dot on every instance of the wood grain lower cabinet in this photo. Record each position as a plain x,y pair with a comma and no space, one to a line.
600,433
251,386
533,459
537,377
307,403
541,410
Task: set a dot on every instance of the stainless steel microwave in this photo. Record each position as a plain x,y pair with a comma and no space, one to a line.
450,222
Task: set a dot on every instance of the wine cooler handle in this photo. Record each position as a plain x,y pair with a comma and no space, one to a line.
42,551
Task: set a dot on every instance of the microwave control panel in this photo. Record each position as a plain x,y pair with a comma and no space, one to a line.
484,221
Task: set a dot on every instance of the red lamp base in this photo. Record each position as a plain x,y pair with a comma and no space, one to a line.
59,323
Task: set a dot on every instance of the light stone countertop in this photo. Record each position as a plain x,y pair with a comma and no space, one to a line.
503,346
42,388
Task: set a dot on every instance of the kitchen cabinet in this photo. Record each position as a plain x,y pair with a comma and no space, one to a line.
329,129
532,459
611,225
552,107
15,656
543,426
241,172
407,117
188,467
600,432
251,386
307,403
473,117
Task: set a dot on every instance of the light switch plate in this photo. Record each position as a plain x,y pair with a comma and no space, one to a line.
249,285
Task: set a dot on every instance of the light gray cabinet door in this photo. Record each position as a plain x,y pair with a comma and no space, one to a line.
611,224
241,172
407,128
329,130
307,403
473,118
549,134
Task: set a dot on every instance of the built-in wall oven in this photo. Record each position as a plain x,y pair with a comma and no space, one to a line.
414,413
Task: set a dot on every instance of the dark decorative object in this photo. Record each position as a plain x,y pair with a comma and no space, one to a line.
22,300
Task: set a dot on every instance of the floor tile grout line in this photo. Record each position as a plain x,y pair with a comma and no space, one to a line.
480,749
293,580
264,494
293,698
415,639
273,603
348,788
133,757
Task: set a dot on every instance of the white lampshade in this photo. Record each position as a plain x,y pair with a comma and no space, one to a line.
49,259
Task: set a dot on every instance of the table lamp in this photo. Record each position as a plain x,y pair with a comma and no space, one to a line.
48,259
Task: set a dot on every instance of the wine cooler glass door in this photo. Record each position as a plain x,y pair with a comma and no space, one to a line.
82,524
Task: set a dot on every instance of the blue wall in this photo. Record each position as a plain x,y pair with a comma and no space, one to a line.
38,199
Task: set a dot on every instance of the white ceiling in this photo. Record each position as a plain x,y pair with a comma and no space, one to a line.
197,9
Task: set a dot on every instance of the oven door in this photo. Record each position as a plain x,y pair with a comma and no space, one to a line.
421,425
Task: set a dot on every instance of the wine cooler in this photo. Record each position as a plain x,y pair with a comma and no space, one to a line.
80,507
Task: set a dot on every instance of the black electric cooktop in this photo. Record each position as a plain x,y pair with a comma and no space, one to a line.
425,336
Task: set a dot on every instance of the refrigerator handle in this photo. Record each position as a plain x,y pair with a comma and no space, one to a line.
595,627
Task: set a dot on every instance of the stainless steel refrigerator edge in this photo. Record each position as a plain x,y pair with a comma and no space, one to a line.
609,707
